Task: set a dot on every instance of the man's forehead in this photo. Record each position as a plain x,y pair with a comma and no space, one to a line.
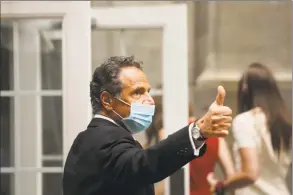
133,77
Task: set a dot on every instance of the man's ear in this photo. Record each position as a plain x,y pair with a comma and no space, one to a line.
106,100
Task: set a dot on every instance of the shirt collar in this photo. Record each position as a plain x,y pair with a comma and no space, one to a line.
104,117
109,119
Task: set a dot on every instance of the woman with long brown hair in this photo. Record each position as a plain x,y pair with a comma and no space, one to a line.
263,134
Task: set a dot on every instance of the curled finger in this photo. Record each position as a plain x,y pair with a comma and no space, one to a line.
222,110
221,126
221,119
220,133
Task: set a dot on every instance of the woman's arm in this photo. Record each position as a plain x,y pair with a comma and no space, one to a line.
246,138
225,158
249,170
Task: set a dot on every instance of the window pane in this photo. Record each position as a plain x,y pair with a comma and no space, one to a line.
37,51
6,59
7,132
52,65
52,125
7,184
148,49
106,43
52,184
53,163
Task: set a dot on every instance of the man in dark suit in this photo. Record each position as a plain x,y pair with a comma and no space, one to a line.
105,159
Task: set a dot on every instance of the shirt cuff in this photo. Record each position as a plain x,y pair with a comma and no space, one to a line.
196,144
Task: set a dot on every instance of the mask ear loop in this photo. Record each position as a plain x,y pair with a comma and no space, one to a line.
99,102
119,99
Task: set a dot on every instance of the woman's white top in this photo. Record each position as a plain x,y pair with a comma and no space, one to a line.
250,131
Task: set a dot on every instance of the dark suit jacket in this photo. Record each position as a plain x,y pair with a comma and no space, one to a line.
106,160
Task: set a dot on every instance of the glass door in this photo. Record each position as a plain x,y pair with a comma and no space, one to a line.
158,37
38,91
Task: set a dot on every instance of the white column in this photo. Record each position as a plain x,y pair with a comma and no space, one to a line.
76,71
175,80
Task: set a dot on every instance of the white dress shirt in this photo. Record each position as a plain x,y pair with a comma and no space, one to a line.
196,144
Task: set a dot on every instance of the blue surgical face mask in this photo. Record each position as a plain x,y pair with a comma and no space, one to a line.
140,118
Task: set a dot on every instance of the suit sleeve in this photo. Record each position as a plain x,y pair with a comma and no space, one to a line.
124,163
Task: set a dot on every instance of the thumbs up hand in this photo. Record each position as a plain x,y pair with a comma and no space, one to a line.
217,121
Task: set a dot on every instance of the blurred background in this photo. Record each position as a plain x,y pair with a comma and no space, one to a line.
223,38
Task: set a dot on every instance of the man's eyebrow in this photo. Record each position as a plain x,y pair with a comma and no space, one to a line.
141,87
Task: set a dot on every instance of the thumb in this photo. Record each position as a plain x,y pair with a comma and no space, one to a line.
221,95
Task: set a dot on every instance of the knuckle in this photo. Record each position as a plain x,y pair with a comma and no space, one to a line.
213,118
214,111
230,110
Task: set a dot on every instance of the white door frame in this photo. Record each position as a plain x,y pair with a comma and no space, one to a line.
173,20
76,63
76,39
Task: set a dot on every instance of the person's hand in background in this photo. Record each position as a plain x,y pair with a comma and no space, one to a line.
217,121
212,180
